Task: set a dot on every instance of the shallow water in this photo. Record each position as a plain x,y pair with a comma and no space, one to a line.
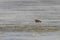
21,12
30,36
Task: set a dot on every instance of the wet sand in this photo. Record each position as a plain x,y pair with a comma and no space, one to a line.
29,28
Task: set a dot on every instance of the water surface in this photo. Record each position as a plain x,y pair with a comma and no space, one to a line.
30,36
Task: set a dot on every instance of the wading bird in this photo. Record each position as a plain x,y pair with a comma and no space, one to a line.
37,21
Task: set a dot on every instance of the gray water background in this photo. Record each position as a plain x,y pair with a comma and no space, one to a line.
21,12
29,35
24,12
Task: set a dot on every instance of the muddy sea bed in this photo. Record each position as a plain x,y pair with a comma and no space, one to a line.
29,28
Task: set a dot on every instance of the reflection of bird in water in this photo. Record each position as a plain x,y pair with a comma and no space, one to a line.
37,21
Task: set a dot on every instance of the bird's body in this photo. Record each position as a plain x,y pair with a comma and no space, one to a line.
37,21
